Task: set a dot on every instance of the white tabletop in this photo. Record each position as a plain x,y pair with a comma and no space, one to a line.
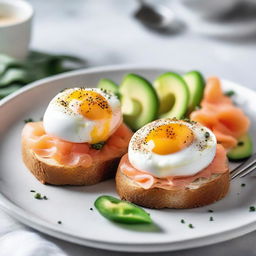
104,33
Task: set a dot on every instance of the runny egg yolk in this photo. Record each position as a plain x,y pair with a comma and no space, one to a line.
93,106
170,138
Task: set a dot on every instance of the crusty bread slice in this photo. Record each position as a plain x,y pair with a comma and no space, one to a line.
199,193
50,172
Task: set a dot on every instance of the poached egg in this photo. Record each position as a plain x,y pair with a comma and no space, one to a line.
82,115
170,147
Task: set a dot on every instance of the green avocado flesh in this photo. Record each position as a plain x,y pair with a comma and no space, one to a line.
173,94
195,83
108,85
139,101
244,149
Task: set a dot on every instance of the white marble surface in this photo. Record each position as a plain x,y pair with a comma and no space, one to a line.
104,33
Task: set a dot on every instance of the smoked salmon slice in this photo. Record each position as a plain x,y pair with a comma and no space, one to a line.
219,114
147,180
74,154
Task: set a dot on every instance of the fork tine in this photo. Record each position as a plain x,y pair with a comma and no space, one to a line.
248,171
246,163
239,171
245,171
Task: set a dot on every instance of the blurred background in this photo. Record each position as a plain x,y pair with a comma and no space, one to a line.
215,37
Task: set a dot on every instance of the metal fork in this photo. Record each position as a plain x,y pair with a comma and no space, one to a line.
244,168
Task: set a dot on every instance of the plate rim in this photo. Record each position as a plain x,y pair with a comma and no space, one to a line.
24,217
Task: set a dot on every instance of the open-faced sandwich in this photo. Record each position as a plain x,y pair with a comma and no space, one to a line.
173,164
80,141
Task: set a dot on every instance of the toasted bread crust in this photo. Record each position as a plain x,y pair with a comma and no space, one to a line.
49,172
181,197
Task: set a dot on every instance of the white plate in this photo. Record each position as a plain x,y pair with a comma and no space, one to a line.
72,205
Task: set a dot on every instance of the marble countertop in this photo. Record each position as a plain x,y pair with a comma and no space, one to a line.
104,33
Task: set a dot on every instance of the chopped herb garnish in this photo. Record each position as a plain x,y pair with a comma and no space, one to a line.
211,219
190,226
229,93
59,222
91,209
210,210
28,120
185,119
207,135
182,221
38,196
98,146
240,143
198,107
243,185
252,209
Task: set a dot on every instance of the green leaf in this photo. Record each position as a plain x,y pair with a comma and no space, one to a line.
6,91
38,65
6,62
14,75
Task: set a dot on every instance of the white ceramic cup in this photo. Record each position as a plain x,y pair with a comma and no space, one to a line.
15,27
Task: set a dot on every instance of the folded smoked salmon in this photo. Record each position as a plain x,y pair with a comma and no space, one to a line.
219,114
146,180
74,154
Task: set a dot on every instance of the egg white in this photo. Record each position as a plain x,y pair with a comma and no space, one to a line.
65,123
186,162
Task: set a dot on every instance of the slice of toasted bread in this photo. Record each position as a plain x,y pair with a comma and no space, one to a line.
49,171
199,193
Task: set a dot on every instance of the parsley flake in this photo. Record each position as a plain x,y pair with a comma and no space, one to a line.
38,196
98,146
190,226
252,209
230,93
28,120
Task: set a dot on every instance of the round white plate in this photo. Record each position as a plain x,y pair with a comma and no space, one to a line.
71,205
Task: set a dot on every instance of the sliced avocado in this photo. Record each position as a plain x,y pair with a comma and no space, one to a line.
195,83
173,94
243,150
139,101
108,85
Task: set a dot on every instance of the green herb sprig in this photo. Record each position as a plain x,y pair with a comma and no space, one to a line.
229,93
98,146
14,73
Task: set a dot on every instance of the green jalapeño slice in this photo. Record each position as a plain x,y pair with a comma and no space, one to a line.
121,211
